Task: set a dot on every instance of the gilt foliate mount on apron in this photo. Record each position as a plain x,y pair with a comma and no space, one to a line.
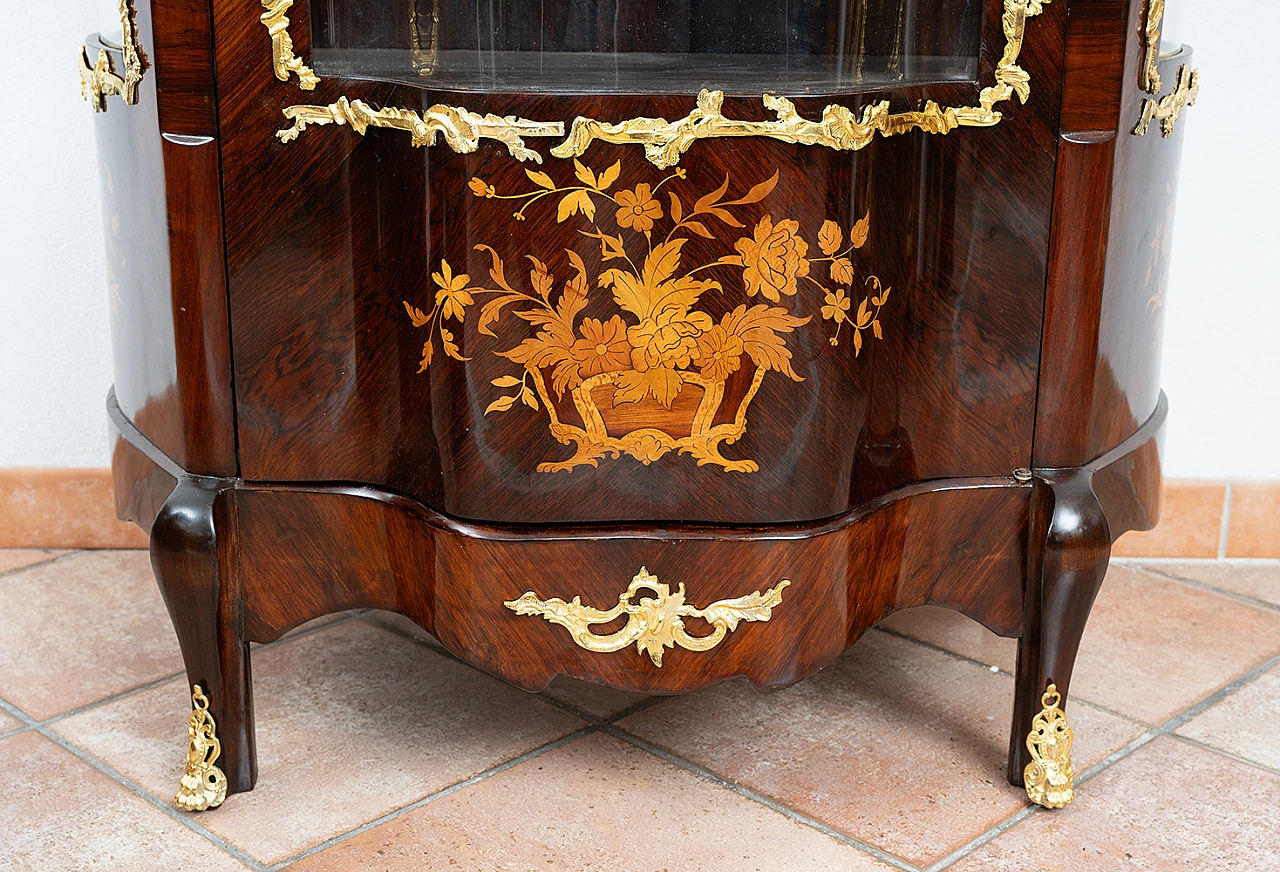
657,373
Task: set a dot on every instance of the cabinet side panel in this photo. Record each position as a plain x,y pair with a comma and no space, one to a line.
1113,205
1127,377
162,210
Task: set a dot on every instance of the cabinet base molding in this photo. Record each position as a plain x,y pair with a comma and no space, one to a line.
235,561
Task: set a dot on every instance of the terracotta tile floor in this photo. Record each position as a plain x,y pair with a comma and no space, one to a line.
380,752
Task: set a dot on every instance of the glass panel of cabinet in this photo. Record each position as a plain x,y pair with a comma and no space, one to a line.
649,46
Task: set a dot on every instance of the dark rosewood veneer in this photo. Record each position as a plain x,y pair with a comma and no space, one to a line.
292,454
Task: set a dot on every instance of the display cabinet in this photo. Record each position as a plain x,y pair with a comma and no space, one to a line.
649,342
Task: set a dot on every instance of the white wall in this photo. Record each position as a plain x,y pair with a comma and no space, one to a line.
55,359
1222,336
1222,326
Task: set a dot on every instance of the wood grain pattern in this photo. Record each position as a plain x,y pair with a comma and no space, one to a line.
1113,215
326,363
259,332
959,546
166,265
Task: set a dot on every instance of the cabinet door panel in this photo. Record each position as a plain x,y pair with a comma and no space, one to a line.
615,340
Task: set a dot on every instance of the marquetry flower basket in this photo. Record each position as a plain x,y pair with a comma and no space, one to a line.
621,355
647,430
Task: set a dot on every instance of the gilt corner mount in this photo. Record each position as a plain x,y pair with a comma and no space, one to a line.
99,80
283,60
1167,109
665,141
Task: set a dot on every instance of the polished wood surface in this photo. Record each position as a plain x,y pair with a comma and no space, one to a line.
959,546
326,361
164,244
274,434
1108,266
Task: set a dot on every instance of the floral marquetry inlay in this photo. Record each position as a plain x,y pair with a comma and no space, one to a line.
650,376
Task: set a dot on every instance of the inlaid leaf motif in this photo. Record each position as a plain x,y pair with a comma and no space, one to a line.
541,179
858,233
759,327
572,203
450,347
609,176
660,381
501,404
416,315
830,237
584,175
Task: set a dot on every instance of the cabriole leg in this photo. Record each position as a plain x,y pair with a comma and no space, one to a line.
1067,559
192,551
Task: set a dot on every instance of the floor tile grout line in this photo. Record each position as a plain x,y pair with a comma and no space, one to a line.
1116,756
1200,585
430,642
1152,733
18,713
1225,753
569,708
998,671
1218,695
22,729
987,667
183,818
999,829
115,697
1169,727
1199,561
1225,530
761,799
151,685
637,707
60,557
439,794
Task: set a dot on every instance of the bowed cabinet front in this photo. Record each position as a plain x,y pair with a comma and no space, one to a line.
650,343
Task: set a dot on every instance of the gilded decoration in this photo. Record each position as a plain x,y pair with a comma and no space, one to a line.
648,374
1149,78
203,785
462,130
654,623
283,60
99,80
1169,108
1049,775
840,128
665,141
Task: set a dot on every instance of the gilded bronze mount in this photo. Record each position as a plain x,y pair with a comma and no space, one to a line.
663,141
1167,109
654,623
99,80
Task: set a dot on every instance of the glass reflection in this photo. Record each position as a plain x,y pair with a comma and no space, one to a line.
648,46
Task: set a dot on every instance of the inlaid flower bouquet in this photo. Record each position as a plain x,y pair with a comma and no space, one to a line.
652,377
